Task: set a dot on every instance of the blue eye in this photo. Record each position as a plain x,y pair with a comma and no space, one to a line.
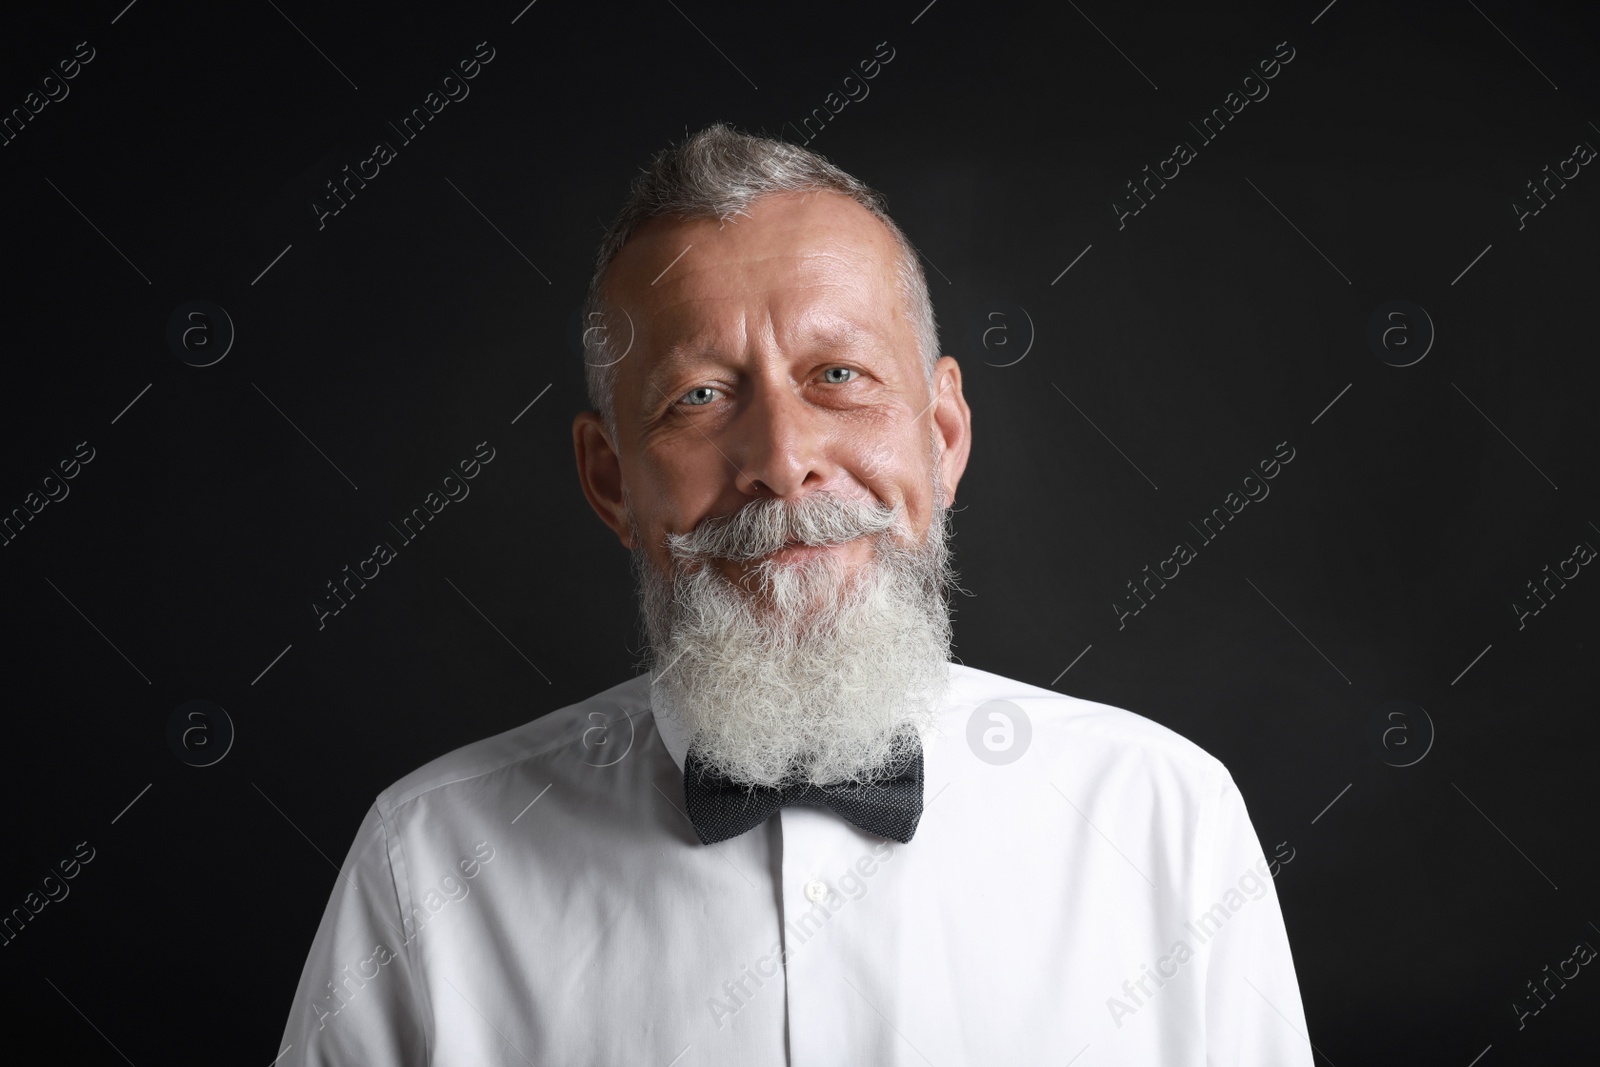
699,396
838,375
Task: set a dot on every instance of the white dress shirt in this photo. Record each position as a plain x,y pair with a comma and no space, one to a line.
539,897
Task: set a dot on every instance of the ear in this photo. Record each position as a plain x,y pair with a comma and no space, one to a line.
600,473
952,425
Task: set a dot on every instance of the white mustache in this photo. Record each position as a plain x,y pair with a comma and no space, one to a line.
762,527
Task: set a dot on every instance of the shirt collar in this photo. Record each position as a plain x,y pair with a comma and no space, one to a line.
668,725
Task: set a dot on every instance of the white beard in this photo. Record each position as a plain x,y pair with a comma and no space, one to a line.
817,671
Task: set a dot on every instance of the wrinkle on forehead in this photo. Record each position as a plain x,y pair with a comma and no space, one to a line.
808,274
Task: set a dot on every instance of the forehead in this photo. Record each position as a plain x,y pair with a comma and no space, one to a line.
820,259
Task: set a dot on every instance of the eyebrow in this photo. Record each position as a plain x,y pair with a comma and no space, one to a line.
676,358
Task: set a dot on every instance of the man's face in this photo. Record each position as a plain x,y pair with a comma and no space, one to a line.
771,358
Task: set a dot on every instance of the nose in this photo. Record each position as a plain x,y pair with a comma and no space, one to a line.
779,443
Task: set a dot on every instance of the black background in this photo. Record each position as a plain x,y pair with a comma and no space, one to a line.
1221,320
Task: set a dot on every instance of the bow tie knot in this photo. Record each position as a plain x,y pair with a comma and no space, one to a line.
889,806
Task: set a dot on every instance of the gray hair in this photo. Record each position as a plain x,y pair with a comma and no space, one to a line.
718,173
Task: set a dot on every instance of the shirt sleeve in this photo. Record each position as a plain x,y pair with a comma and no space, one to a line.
1254,1017
356,1003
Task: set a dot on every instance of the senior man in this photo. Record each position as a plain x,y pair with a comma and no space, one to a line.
803,836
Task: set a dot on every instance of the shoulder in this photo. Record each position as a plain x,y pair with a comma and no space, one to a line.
1085,734
532,741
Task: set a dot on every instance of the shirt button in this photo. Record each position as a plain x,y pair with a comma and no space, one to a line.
816,890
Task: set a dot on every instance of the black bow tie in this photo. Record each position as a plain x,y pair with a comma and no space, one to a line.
890,807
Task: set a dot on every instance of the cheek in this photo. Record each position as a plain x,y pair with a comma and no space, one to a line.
878,461
672,488
895,470
875,460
